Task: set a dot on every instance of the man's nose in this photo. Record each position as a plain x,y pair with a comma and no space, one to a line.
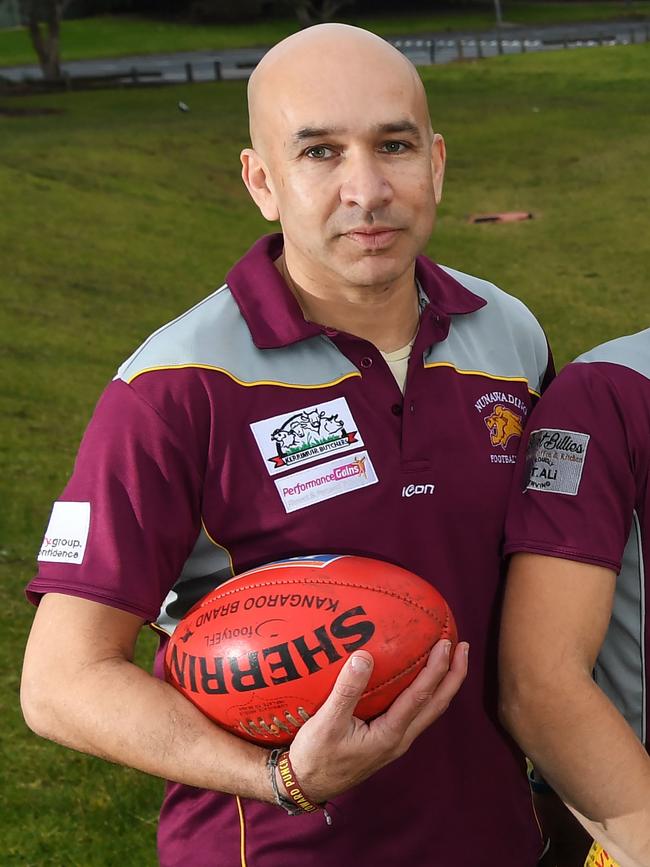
364,183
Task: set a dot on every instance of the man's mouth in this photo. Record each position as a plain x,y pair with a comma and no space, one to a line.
372,238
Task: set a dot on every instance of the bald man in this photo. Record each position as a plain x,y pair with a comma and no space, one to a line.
199,463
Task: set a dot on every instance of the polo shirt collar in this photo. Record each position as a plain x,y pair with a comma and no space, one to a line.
273,314
446,295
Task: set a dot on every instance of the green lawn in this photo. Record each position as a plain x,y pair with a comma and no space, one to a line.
113,36
120,212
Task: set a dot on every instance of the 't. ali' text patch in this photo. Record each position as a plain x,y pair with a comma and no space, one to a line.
66,534
555,460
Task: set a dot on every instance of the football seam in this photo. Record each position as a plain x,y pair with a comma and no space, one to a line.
408,668
303,581
395,676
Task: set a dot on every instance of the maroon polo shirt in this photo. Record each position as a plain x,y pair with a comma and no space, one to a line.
582,493
229,440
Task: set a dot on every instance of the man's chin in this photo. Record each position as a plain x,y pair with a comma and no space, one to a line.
375,270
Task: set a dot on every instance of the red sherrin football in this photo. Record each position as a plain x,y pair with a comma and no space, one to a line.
259,654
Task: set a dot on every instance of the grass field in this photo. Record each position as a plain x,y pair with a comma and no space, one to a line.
120,212
114,36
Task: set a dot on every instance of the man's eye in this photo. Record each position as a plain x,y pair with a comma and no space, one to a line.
394,147
319,152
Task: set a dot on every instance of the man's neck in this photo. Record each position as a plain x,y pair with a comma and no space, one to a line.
386,317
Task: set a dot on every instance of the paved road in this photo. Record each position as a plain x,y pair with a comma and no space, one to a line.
422,49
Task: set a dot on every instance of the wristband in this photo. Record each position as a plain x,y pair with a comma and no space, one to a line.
291,798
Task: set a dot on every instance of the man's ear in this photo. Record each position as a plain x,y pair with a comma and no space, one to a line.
255,175
438,159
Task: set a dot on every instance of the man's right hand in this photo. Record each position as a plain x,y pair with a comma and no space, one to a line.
335,750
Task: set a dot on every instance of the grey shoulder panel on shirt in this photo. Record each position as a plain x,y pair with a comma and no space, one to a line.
502,339
621,667
632,351
214,335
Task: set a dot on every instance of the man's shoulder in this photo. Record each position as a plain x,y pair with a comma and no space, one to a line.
631,351
216,335
607,386
501,338
499,302
203,336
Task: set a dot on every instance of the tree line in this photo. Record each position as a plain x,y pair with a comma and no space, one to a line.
44,18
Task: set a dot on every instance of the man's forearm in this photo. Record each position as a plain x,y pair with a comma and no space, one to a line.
589,754
81,689
121,713
628,830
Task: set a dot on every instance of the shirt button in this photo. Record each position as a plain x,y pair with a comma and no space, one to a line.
366,362
396,409
331,332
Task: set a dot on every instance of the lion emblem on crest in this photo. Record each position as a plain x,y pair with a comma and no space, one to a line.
503,424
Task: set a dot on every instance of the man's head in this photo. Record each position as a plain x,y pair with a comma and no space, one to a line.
343,155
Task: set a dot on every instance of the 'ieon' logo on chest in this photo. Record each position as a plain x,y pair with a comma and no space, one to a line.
504,415
294,439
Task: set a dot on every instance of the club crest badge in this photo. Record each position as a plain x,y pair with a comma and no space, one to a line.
503,424
298,438
504,415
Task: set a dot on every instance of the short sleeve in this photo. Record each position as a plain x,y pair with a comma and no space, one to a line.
130,514
573,490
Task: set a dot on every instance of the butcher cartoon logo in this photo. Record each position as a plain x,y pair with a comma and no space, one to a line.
309,434
503,424
294,439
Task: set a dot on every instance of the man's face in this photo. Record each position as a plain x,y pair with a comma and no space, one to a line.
353,173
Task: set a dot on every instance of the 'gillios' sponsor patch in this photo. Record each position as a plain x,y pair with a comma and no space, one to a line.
555,460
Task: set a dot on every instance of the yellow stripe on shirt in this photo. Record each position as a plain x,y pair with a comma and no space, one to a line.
597,857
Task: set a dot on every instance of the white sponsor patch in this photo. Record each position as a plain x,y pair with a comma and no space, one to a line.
298,438
349,473
66,534
555,460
